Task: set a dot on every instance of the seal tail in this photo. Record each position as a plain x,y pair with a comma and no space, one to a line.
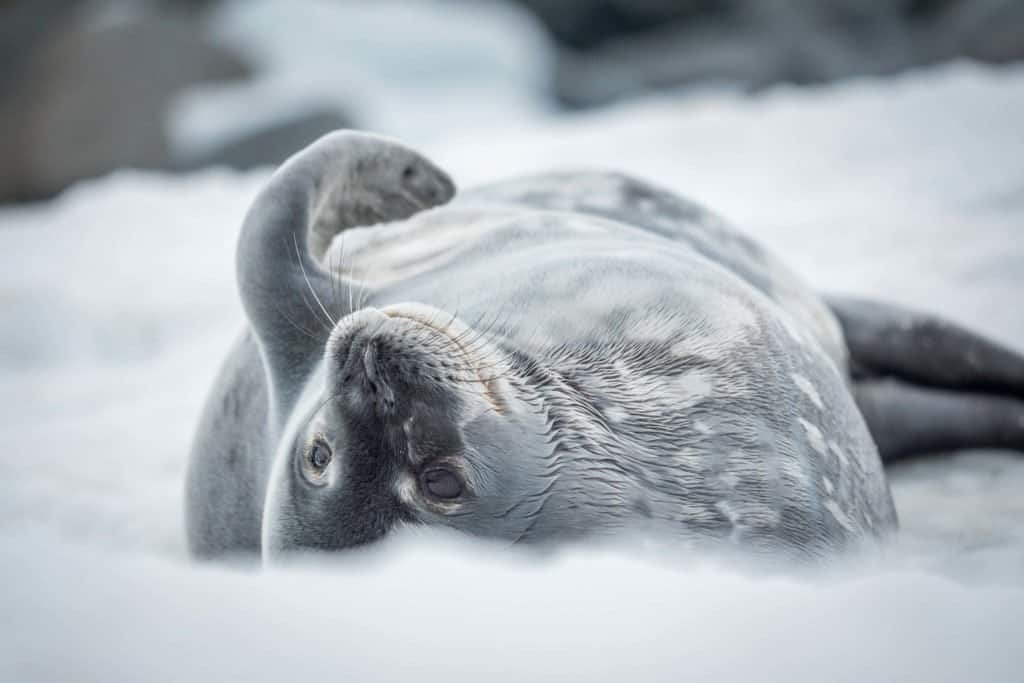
925,385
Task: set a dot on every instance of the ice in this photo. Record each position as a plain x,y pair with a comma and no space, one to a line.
119,305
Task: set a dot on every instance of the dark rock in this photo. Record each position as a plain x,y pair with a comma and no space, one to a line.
616,48
272,145
89,100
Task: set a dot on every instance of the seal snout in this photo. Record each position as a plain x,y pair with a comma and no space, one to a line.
371,373
369,358
392,359
384,361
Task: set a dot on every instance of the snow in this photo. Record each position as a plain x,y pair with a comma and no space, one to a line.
119,306
412,68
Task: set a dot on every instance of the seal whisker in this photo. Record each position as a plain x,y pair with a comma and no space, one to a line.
472,347
455,313
477,380
364,293
333,397
309,306
305,300
342,270
484,333
333,267
295,325
332,279
309,284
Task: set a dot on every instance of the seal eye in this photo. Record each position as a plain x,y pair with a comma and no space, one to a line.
318,457
441,482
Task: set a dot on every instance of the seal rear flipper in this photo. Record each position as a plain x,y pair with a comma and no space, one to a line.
924,349
907,420
926,385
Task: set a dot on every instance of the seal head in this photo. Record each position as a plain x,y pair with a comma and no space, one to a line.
417,418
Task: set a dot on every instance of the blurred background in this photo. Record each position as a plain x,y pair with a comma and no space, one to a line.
88,86
876,146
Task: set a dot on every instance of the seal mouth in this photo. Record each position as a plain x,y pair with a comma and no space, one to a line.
426,316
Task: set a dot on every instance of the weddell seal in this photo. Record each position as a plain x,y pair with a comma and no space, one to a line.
553,357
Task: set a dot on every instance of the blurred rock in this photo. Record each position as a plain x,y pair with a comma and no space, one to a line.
272,145
24,25
988,30
586,24
616,48
89,99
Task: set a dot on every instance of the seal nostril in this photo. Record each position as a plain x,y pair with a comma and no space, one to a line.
370,361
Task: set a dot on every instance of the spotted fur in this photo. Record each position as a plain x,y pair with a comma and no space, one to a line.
590,353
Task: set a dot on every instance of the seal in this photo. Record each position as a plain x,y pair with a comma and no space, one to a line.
554,357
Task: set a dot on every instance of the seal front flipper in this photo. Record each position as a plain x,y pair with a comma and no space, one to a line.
926,385
344,179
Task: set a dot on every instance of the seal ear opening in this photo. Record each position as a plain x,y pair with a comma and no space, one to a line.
925,385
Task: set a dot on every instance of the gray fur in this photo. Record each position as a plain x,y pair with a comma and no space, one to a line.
591,353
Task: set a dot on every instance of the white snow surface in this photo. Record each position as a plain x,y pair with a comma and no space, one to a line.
119,304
